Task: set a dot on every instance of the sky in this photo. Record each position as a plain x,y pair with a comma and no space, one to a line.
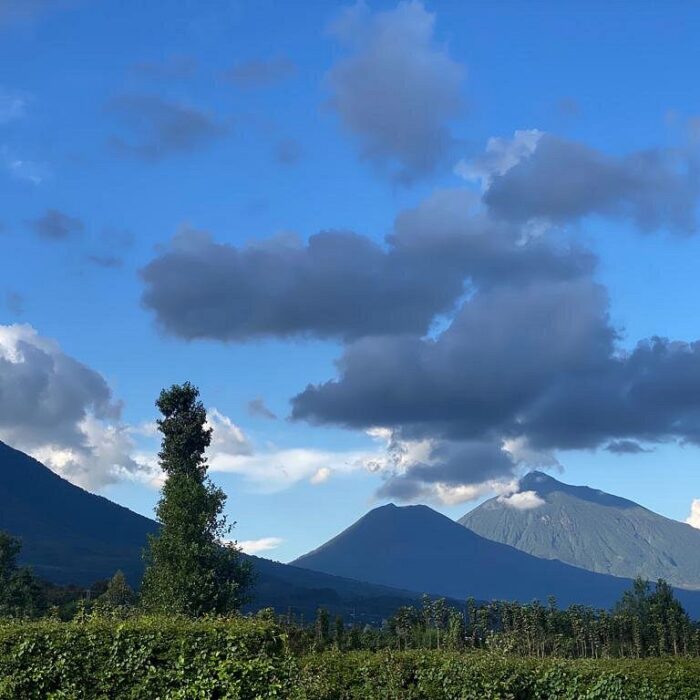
407,251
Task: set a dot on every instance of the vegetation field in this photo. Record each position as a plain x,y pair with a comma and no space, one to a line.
104,659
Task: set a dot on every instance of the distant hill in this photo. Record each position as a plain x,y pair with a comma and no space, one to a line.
68,535
593,530
417,548
72,536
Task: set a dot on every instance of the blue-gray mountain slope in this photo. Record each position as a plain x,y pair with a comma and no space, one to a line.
593,530
416,548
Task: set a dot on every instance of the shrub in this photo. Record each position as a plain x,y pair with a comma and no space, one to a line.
142,658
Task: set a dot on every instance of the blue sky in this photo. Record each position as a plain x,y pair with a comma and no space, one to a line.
123,126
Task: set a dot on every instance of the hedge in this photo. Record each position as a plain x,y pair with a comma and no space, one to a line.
241,659
142,659
482,676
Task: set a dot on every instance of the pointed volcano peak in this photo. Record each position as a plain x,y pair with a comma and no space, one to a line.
540,482
544,484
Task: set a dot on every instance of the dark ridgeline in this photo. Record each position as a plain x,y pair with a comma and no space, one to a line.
593,530
68,534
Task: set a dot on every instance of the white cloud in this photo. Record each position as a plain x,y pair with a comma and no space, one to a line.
227,438
522,500
321,475
523,453
276,469
264,544
61,411
500,156
694,517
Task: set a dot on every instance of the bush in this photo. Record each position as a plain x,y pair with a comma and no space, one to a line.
482,676
142,658
241,659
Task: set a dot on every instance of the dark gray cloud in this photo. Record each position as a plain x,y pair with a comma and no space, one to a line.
503,349
452,465
258,73
396,89
538,362
288,151
626,447
562,181
56,225
157,128
340,284
258,408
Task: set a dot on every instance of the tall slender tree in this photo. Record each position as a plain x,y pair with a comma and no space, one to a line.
189,568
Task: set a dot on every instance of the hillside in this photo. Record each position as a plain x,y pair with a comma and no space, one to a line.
417,548
72,536
593,530
68,535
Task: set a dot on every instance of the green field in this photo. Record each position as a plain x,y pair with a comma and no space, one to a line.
243,658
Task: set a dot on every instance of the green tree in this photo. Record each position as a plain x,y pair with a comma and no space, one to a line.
189,569
21,594
118,598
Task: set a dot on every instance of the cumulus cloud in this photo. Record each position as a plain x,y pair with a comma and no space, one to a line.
396,88
60,411
451,472
503,348
341,284
538,176
694,517
157,128
264,544
522,500
56,225
227,437
539,362
257,73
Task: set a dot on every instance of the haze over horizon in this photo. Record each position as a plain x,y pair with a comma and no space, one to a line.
408,251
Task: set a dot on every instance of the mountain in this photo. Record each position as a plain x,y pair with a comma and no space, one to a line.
72,536
417,548
593,530
68,535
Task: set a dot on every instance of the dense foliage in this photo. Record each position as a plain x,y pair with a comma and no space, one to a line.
189,570
140,658
240,658
646,622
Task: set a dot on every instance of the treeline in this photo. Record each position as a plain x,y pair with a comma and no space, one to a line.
648,621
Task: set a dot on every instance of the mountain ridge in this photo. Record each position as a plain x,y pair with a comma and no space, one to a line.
593,530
